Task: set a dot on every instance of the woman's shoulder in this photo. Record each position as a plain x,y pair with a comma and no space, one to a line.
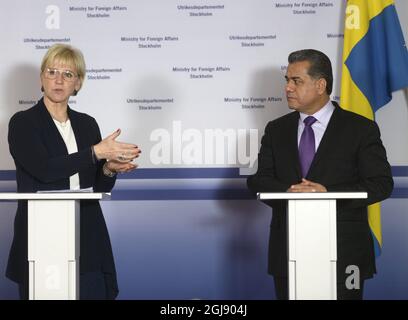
28,115
80,116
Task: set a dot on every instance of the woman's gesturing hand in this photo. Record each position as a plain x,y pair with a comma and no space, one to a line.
110,149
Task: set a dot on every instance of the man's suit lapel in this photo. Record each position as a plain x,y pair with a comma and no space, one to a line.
326,143
292,135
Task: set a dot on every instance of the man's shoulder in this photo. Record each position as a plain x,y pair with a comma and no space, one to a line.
353,118
284,120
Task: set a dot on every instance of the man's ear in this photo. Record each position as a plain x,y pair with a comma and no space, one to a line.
321,85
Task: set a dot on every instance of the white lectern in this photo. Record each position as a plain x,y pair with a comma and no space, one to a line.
312,242
53,242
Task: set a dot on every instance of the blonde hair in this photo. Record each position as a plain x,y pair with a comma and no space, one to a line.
65,54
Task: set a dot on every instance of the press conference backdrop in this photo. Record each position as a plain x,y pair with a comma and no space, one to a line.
193,83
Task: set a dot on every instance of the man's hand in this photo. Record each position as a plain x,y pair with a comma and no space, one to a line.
307,186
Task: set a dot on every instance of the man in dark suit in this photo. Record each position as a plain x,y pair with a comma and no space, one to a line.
318,148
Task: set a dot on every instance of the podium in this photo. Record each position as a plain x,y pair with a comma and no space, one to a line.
53,242
312,242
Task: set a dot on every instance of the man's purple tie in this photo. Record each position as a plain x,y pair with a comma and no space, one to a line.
307,146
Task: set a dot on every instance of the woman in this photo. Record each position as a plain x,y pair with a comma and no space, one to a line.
55,148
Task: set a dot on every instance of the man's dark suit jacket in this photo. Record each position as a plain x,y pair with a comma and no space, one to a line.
350,157
42,163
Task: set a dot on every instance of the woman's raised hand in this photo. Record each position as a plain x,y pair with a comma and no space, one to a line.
110,149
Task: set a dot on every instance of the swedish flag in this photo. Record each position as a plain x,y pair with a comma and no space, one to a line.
375,63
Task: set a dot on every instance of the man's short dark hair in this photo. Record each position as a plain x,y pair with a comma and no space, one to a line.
320,65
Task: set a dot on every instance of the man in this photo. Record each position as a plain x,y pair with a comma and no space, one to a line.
318,148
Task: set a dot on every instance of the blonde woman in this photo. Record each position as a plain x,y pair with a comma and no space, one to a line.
54,148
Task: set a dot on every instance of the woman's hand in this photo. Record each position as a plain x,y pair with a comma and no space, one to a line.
120,167
110,149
